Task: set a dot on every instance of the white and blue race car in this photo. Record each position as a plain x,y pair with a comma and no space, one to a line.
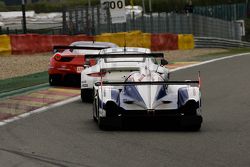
117,67
146,93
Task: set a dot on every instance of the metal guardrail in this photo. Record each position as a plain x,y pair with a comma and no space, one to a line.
212,42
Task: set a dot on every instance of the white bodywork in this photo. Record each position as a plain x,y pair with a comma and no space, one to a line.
149,94
119,67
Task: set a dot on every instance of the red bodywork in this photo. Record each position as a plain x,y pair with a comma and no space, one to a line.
67,64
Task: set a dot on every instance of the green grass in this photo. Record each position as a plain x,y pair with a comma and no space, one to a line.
218,55
210,56
15,83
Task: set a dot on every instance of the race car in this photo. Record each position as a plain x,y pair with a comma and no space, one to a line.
118,66
68,64
146,94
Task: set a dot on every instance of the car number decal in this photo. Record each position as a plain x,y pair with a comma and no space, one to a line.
79,69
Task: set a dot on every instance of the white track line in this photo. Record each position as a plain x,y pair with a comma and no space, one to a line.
39,110
4,122
209,61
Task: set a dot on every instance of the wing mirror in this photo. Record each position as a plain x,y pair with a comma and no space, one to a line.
164,62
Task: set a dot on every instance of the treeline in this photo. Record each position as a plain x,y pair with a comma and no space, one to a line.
157,5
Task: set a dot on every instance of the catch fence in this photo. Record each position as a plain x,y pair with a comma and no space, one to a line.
92,21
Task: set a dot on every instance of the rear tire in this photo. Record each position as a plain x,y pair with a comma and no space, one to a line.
191,123
101,125
87,95
54,80
95,108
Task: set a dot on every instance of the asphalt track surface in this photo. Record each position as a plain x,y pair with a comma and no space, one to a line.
67,136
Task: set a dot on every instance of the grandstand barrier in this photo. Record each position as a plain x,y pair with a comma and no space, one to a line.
5,46
164,41
185,41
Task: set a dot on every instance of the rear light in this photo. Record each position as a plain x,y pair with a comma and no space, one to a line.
57,57
97,74
92,62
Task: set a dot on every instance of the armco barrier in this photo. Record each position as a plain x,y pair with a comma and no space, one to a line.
5,47
30,43
185,41
146,40
118,38
105,37
35,43
161,42
133,39
23,43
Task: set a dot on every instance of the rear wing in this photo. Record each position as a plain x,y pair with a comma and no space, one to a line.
125,55
59,47
106,83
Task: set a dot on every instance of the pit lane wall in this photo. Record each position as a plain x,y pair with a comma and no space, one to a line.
36,43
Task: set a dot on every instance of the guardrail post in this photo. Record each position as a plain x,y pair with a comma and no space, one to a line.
7,30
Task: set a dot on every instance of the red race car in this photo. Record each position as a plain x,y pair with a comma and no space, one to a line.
68,64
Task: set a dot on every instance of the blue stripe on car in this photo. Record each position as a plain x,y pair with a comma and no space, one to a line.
131,91
115,95
182,96
161,93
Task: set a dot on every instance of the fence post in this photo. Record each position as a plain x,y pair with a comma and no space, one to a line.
151,22
7,30
71,25
133,20
159,23
142,22
64,20
76,22
108,20
87,21
166,22
93,21
98,20
81,28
